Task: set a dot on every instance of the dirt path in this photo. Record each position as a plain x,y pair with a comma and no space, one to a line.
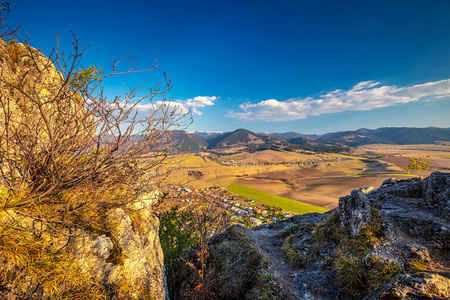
265,239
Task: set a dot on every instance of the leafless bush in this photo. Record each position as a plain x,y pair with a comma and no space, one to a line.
69,155
67,152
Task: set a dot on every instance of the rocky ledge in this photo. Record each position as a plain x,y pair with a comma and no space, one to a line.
388,243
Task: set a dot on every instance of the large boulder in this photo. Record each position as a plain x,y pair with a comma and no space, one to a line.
130,255
40,113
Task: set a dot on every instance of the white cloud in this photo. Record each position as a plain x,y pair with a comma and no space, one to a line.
366,95
201,101
182,106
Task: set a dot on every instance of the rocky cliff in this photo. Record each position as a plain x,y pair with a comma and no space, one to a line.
388,243
124,262
100,250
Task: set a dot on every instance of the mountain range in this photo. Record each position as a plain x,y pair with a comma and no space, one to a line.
388,135
245,140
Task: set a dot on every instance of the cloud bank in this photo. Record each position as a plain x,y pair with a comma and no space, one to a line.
366,95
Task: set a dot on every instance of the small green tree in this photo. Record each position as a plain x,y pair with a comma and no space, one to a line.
184,235
418,165
177,233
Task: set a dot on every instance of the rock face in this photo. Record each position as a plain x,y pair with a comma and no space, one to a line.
140,261
124,258
355,211
416,211
129,258
388,243
436,191
414,286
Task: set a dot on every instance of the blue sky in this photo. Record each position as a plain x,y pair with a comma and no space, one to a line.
305,66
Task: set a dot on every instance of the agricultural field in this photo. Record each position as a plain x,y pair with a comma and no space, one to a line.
400,155
305,177
281,202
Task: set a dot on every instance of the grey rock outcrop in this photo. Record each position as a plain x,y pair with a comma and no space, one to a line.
415,217
388,243
436,191
414,286
415,211
355,210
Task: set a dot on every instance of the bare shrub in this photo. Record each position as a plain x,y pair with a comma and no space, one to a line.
68,153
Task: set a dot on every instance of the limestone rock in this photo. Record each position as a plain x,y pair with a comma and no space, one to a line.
355,211
39,103
127,256
130,255
436,191
400,253
314,283
413,286
415,211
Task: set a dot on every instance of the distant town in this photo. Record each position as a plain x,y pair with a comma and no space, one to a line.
240,210
307,163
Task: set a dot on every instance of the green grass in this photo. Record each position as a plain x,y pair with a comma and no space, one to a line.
403,174
281,202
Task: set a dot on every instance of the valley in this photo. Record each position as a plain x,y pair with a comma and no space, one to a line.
308,177
253,178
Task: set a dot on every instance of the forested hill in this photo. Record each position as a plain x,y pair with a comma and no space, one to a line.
405,136
241,137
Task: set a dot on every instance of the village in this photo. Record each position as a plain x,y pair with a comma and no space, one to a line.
240,210
233,163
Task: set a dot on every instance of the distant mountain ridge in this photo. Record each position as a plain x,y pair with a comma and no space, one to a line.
291,135
352,138
388,135
246,140
405,135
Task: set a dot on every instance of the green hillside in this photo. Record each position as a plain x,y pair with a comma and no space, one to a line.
281,202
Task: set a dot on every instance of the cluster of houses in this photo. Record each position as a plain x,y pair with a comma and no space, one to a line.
245,210
242,211
233,163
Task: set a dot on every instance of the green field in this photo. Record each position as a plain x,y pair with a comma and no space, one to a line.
281,202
